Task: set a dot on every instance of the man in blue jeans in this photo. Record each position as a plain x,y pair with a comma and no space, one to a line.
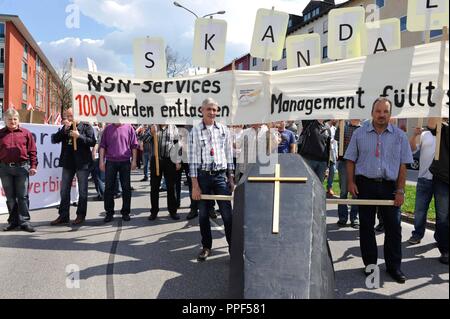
211,167
74,162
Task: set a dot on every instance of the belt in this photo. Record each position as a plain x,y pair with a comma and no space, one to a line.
213,173
20,164
376,180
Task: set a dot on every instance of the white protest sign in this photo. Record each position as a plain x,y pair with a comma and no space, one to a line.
303,50
209,43
269,34
149,58
44,187
382,36
425,15
345,32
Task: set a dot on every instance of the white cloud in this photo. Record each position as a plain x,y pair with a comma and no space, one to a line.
79,49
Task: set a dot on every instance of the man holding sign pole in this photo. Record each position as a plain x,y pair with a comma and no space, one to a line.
211,167
376,169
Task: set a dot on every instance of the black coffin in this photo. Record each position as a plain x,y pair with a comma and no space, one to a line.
294,264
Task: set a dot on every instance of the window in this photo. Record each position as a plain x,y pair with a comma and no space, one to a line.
254,61
2,55
24,71
290,23
307,16
316,12
325,52
435,33
311,30
2,85
2,32
24,92
284,53
240,66
380,3
403,21
325,26
38,64
275,68
25,51
24,106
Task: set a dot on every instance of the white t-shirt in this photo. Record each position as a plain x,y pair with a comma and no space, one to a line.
427,147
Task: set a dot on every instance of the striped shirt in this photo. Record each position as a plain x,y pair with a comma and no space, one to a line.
167,138
210,149
379,156
348,133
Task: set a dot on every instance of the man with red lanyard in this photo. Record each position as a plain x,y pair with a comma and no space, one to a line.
18,161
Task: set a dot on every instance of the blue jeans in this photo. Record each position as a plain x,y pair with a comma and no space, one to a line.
343,209
145,160
441,190
330,179
424,194
218,185
66,185
124,170
99,179
15,184
319,167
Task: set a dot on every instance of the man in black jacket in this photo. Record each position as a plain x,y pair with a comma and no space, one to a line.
74,162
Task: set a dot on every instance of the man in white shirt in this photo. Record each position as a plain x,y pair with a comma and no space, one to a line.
424,190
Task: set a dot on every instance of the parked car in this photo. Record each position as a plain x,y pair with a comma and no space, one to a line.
416,164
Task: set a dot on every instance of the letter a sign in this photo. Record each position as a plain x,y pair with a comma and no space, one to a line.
345,32
209,43
150,58
425,15
269,34
382,36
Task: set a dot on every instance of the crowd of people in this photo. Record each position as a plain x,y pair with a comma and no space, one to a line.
214,157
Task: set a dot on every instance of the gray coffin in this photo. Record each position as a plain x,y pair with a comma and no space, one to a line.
294,264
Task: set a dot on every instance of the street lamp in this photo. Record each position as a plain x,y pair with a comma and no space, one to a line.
207,15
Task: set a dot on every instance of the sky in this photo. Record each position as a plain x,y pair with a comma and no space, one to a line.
106,28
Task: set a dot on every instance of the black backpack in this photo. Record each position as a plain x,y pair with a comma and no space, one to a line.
314,141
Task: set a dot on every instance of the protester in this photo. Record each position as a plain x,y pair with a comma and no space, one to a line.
18,161
288,142
211,167
74,162
376,169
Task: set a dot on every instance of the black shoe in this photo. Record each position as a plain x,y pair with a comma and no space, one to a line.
162,189
444,258
397,275
126,218
28,228
212,214
191,215
175,216
108,218
98,198
152,216
205,253
145,179
380,228
355,224
414,240
341,223
117,196
10,227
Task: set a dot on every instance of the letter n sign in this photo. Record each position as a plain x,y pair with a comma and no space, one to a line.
269,34
426,15
345,32
209,43
303,50
150,58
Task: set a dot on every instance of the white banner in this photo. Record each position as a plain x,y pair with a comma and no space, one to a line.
45,186
337,90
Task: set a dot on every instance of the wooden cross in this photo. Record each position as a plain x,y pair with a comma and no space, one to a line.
276,199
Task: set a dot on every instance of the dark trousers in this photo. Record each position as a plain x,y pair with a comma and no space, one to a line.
124,170
66,186
369,189
194,203
440,190
169,170
15,184
214,184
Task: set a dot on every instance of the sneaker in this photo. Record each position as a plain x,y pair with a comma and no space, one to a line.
205,253
444,258
191,215
341,223
355,224
414,240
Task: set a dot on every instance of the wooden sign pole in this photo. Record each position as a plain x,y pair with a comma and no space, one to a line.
75,129
156,152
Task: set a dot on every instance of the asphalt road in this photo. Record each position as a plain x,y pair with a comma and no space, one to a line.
143,259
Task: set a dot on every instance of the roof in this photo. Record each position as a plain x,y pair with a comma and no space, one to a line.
30,40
